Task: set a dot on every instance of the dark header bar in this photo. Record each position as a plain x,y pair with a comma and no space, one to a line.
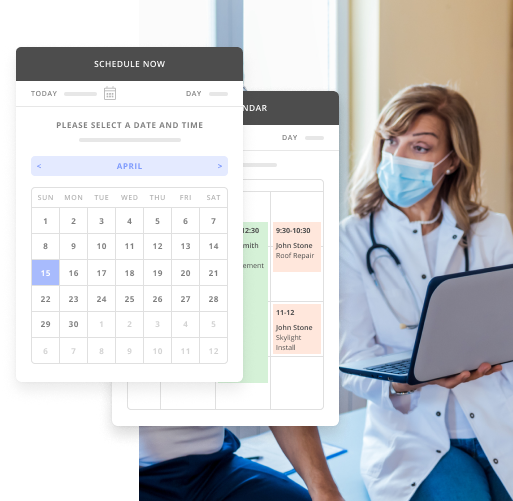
129,63
290,108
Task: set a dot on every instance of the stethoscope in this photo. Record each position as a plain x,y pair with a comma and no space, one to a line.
392,254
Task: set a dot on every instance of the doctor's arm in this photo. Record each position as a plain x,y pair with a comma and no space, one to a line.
302,446
356,328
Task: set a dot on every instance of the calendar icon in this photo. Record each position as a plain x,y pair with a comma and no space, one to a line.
109,93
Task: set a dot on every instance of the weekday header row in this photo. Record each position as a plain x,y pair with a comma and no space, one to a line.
130,197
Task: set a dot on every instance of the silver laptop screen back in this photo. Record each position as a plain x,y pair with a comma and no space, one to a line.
469,321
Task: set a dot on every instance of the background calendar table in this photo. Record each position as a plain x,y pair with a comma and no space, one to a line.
290,281
129,275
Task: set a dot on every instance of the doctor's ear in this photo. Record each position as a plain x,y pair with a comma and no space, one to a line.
455,164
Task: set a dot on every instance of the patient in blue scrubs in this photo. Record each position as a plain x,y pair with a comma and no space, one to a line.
198,463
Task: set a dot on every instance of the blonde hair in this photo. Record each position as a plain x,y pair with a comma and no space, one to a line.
461,189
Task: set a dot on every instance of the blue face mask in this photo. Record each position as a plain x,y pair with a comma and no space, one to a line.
405,181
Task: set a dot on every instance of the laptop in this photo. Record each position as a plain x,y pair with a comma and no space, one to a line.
467,319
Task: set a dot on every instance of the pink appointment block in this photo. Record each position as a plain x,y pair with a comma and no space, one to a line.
296,329
297,247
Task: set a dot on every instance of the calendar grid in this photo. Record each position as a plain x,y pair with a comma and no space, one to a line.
115,298
143,336
171,256
199,288
87,286
59,223
275,378
80,250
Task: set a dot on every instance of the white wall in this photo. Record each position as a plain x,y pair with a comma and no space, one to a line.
286,44
154,23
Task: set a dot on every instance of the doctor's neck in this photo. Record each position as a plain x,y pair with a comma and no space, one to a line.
425,210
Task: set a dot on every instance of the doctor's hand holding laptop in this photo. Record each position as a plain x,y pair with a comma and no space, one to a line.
465,332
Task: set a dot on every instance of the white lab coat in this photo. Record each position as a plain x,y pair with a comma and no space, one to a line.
400,450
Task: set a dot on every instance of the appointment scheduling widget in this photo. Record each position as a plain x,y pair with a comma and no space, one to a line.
129,209
290,268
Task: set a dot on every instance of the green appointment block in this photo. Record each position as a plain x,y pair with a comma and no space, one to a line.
255,302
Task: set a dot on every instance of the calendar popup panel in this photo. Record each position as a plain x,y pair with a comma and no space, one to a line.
129,209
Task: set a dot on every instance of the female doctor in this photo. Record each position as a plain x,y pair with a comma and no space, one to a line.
451,439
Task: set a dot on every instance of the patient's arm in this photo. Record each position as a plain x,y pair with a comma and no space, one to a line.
302,446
